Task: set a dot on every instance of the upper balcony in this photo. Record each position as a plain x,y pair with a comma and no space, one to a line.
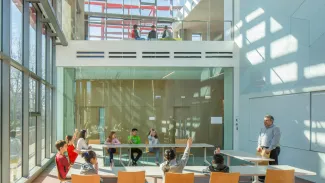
189,20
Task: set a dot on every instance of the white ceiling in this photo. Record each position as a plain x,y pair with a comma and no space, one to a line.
148,73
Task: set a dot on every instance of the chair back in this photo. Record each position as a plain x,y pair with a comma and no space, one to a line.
85,178
179,178
57,169
180,141
219,177
131,177
280,176
93,141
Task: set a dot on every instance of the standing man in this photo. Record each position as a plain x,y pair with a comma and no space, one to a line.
269,140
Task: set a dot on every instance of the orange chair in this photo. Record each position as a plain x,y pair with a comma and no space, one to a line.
131,177
218,177
85,178
57,169
93,141
280,176
180,150
179,178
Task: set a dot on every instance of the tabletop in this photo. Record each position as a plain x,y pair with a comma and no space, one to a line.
195,145
244,156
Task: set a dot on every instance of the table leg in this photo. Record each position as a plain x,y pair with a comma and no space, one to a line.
256,177
121,157
205,156
228,160
163,154
155,179
129,163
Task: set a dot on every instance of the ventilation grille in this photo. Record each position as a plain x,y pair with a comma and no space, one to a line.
90,54
218,54
187,54
155,55
122,54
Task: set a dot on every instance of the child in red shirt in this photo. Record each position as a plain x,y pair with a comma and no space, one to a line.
72,152
61,161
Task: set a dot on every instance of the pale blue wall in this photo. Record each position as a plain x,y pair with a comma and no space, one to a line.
282,52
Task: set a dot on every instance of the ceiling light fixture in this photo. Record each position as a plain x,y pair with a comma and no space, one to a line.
168,75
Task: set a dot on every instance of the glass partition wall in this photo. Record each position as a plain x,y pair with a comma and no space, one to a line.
177,102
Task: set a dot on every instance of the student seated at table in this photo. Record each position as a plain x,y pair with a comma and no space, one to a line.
153,140
72,152
135,139
62,162
171,165
217,164
90,167
81,144
112,140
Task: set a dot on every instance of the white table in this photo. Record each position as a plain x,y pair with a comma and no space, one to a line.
163,146
156,172
245,157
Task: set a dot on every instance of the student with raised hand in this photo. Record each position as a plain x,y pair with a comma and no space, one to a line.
171,165
217,164
81,144
112,140
135,139
61,161
90,167
153,140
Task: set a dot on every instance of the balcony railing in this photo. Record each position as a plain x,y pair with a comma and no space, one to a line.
181,30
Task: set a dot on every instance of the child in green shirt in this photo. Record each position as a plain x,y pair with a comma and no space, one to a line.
135,139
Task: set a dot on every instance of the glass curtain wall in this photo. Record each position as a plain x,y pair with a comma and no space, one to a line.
114,19
177,102
25,76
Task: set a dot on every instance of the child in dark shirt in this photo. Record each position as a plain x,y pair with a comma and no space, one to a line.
217,164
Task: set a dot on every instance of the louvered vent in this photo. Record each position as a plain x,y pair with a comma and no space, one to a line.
218,54
122,54
187,54
155,55
90,54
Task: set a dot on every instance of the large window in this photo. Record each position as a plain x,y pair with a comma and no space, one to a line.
16,30
43,51
23,93
15,124
32,38
43,119
32,123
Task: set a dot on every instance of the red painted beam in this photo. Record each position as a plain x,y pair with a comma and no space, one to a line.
127,6
120,27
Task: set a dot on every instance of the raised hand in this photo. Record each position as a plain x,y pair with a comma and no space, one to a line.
189,142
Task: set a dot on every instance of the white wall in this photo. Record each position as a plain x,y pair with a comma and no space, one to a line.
282,53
